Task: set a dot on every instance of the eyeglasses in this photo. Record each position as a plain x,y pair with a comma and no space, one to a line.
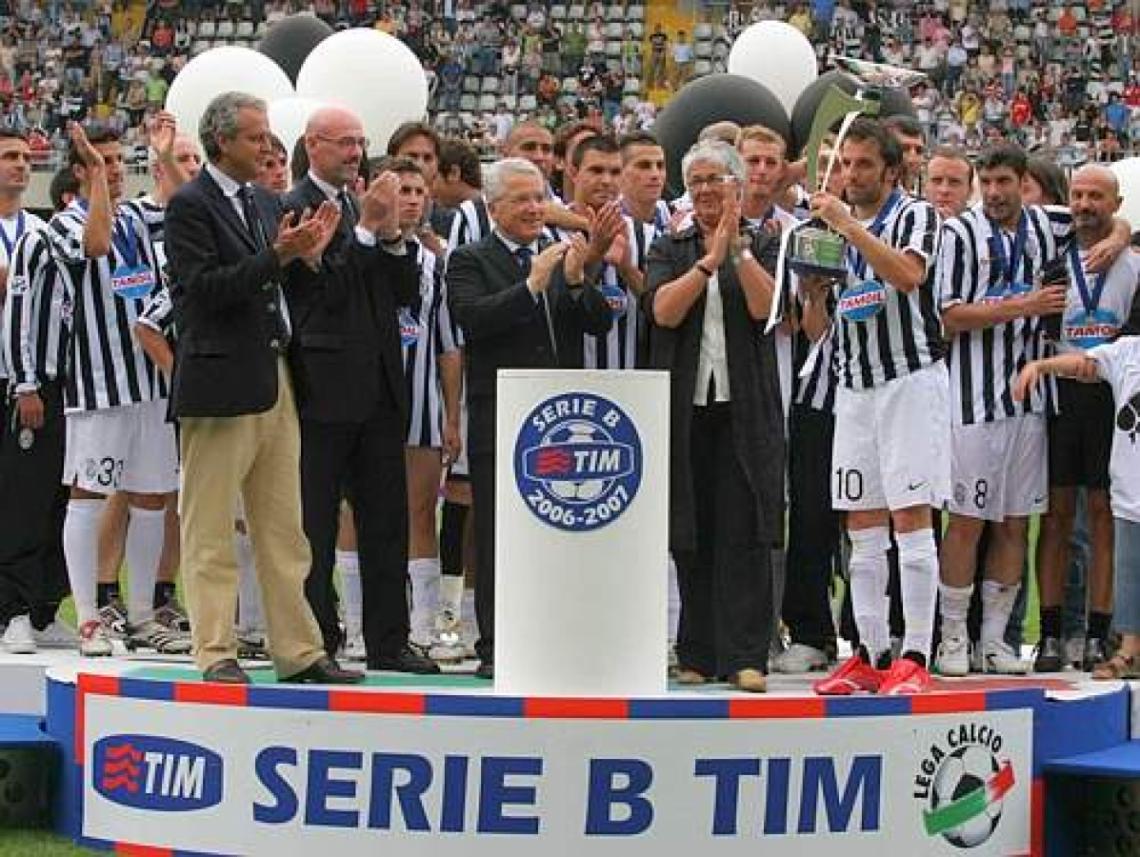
345,142
701,182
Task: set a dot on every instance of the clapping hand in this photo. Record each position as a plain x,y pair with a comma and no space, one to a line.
605,225
379,206
577,250
727,232
88,154
161,133
307,237
543,265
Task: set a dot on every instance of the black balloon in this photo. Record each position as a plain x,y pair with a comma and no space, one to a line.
895,102
709,99
291,39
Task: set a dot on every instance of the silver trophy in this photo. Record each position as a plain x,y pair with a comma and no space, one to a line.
815,248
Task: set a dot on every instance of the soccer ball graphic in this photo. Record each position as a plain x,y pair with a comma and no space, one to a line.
965,770
575,490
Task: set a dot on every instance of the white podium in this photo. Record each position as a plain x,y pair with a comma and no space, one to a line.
581,544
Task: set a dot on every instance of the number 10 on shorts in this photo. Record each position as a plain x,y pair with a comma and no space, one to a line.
848,484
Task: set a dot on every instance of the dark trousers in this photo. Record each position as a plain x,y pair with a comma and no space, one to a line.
33,573
813,529
366,461
482,465
726,583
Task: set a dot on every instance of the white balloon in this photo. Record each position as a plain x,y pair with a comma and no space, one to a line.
218,70
1128,174
287,118
374,74
777,55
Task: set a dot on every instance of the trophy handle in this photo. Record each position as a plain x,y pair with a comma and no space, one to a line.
836,105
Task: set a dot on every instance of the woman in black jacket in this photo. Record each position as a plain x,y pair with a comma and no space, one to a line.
709,298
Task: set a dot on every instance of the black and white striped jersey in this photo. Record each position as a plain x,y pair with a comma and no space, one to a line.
981,263
813,363
110,369
11,230
426,331
37,317
158,311
472,222
625,345
882,333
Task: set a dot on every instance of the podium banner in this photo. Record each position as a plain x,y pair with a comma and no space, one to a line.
581,542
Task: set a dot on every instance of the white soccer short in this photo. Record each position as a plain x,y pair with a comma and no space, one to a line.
128,448
1000,469
892,444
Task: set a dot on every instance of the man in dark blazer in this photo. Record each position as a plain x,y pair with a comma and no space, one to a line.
229,251
351,390
520,305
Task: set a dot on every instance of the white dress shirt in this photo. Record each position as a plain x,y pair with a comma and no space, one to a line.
713,361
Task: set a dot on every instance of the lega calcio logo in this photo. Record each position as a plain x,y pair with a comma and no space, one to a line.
157,774
962,784
578,461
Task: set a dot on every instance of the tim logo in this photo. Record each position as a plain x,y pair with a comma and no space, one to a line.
578,461
158,774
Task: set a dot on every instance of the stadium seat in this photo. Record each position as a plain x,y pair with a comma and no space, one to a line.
490,84
518,11
615,13
635,13
468,102
488,102
260,31
199,47
225,29
631,101
702,31
702,50
636,30
207,29
569,86
613,49
528,103
244,30
472,83
615,30
632,86
558,13
509,101
577,13
701,68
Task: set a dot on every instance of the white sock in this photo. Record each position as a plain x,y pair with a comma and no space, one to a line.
918,576
81,550
250,613
868,570
350,598
674,600
451,594
424,574
955,604
145,534
997,605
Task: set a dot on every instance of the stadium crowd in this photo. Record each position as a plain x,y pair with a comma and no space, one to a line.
351,348
1047,76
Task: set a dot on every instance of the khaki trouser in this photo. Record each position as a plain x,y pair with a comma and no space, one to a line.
257,456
